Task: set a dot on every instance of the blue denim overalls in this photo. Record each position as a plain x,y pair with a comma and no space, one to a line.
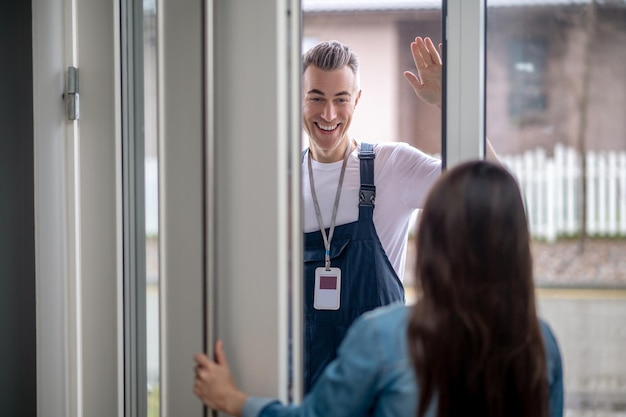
368,279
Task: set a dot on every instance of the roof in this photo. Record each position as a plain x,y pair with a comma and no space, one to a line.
388,5
372,5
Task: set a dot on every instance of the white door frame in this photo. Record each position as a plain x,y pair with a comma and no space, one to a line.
77,209
464,101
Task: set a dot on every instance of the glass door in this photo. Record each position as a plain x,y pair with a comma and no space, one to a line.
556,95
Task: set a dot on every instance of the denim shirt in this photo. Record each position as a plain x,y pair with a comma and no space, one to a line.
373,374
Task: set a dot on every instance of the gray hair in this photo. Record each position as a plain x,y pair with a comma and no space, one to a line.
331,56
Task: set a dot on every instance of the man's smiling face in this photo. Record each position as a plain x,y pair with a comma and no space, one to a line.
329,100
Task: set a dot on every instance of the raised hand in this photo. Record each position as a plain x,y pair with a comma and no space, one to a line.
427,82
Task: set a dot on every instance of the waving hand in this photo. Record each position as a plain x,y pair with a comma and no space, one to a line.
427,82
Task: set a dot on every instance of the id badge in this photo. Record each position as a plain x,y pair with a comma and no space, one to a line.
327,288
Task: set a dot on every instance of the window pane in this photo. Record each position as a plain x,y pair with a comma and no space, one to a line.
388,110
556,96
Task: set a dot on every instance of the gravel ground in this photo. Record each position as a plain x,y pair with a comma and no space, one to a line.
602,264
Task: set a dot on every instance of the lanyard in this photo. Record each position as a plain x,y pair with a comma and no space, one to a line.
329,238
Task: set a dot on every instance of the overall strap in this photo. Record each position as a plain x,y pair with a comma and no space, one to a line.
367,193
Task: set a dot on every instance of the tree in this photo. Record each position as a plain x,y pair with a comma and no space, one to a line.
583,110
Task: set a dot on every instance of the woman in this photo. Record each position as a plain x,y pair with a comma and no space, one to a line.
471,345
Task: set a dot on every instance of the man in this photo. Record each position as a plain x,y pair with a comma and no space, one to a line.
354,253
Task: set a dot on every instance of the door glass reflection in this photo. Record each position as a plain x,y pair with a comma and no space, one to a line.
151,204
556,96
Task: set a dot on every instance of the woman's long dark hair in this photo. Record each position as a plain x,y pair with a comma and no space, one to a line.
474,336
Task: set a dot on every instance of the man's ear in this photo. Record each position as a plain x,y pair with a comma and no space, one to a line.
358,96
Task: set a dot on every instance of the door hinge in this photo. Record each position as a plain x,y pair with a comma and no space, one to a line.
72,101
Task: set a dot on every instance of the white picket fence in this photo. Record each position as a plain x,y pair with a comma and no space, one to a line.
551,188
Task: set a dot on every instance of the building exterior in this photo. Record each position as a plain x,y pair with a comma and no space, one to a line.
548,66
